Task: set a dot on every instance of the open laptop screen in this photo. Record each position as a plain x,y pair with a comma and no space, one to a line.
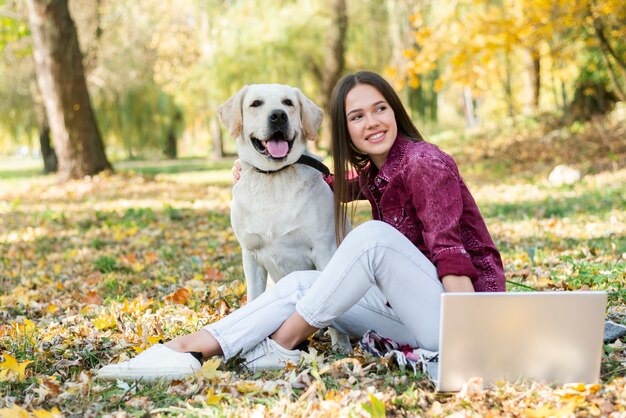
552,337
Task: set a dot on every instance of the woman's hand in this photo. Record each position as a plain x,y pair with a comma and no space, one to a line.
236,170
453,283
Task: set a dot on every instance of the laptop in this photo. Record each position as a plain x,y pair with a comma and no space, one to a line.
550,337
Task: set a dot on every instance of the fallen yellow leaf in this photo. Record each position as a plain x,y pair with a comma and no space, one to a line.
546,411
13,412
209,368
138,348
248,387
52,309
153,339
105,321
138,267
15,367
212,398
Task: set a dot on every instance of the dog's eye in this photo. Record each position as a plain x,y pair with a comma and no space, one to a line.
256,103
287,102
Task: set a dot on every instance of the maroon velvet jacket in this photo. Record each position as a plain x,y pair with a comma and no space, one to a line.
420,192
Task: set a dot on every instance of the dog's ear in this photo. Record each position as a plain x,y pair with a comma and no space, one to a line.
311,116
230,112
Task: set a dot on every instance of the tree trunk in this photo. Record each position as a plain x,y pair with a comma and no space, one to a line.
216,137
619,91
50,163
171,142
535,77
61,78
470,111
334,62
599,29
171,147
607,52
49,156
434,99
508,87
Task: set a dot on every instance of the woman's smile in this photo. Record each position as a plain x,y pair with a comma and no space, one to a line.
377,137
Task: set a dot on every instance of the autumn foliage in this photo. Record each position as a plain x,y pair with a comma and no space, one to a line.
97,270
526,54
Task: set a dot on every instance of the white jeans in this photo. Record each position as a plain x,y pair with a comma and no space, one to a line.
374,267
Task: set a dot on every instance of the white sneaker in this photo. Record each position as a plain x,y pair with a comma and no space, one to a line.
157,362
269,355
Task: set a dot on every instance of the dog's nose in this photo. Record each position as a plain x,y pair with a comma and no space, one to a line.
277,118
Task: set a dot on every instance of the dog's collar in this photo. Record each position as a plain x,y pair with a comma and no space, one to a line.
315,163
258,170
304,159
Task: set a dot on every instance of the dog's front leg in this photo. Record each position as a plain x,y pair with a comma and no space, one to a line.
255,273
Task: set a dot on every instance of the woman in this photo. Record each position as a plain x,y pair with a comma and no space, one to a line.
427,237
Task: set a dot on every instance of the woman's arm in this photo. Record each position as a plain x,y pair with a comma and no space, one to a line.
453,283
437,199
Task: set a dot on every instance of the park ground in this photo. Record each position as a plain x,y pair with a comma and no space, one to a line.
95,270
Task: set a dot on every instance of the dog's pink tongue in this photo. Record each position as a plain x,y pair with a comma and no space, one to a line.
277,149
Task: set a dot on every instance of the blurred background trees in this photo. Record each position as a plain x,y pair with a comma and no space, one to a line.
528,55
60,74
156,70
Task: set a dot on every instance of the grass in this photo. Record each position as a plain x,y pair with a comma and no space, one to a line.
93,271
188,169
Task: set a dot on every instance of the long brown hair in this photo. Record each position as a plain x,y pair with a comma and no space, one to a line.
346,157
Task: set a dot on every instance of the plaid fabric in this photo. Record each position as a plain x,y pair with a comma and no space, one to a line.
380,346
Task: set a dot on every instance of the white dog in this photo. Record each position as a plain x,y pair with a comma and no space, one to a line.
282,210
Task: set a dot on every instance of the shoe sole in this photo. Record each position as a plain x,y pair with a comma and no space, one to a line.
145,375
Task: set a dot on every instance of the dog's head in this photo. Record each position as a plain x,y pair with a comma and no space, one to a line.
271,123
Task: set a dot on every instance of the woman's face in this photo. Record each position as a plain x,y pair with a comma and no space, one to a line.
371,122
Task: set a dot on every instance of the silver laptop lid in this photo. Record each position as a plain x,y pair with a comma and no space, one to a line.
552,337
